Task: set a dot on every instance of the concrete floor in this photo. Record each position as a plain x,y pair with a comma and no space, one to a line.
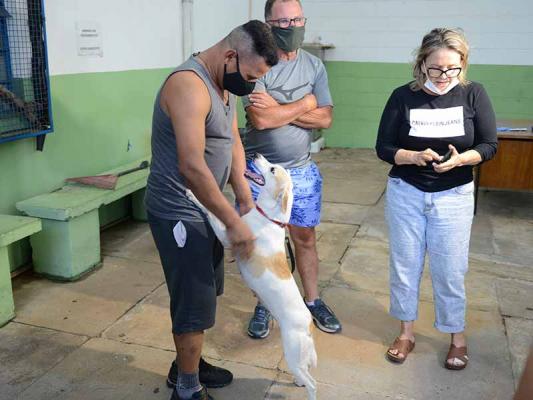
108,335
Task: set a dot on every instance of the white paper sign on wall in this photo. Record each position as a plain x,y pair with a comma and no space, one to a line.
89,39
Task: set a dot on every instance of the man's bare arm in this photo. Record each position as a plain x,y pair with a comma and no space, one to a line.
266,113
319,118
240,186
187,102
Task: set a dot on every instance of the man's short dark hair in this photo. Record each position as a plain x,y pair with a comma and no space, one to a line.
254,38
270,3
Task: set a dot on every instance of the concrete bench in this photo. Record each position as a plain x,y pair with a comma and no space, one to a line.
12,229
69,244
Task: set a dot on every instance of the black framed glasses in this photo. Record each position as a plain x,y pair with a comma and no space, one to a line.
286,22
450,73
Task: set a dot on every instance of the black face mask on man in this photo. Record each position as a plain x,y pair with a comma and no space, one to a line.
234,82
289,39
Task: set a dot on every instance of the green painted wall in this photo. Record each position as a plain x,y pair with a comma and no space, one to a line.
241,117
360,91
95,116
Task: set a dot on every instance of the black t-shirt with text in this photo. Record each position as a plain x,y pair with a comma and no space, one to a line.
416,120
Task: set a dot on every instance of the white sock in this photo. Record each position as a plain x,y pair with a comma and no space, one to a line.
311,303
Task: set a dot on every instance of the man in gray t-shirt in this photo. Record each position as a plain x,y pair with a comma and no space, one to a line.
282,138
290,101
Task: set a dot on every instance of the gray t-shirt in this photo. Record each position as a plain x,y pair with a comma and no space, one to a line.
287,82
165,191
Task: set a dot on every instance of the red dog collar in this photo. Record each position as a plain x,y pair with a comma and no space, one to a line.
263,213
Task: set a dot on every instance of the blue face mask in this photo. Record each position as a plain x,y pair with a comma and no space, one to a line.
234,83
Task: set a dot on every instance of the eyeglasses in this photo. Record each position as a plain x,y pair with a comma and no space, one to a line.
286,22
450,73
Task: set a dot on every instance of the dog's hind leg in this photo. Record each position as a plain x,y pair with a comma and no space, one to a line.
299,354
304,378
309,360
310,386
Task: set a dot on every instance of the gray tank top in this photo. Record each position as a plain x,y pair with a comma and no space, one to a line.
165,191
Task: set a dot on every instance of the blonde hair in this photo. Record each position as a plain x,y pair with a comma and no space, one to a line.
440,38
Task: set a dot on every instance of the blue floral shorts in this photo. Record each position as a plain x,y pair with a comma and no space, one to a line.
307,191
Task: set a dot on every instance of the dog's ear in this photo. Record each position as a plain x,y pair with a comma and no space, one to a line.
285,199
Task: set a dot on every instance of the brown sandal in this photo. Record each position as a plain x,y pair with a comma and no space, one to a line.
456,352
403,346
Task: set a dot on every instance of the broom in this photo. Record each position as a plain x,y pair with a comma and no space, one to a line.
108,181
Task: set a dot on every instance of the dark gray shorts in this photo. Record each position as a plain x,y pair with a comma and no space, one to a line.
194,272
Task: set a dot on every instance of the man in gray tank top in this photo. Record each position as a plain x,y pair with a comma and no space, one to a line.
196,145
290,101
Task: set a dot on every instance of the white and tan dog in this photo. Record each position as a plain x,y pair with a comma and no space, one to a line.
267,272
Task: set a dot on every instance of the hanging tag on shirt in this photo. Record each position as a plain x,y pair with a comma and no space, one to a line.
180,234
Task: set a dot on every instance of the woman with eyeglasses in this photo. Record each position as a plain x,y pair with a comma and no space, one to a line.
433,131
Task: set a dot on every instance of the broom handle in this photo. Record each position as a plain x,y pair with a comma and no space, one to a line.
143,165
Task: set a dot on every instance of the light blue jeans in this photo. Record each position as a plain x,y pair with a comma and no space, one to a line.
438,223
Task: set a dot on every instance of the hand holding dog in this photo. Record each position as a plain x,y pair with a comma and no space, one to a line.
241,238
245,208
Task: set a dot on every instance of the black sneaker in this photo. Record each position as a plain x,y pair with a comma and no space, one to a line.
324,318
210,376
200,395
259,326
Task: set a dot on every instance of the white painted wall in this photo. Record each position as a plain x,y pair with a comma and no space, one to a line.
137,34
499,32
214,19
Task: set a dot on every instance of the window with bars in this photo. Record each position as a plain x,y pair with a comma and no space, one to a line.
25,109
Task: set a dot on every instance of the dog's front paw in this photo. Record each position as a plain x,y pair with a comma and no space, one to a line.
190,195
